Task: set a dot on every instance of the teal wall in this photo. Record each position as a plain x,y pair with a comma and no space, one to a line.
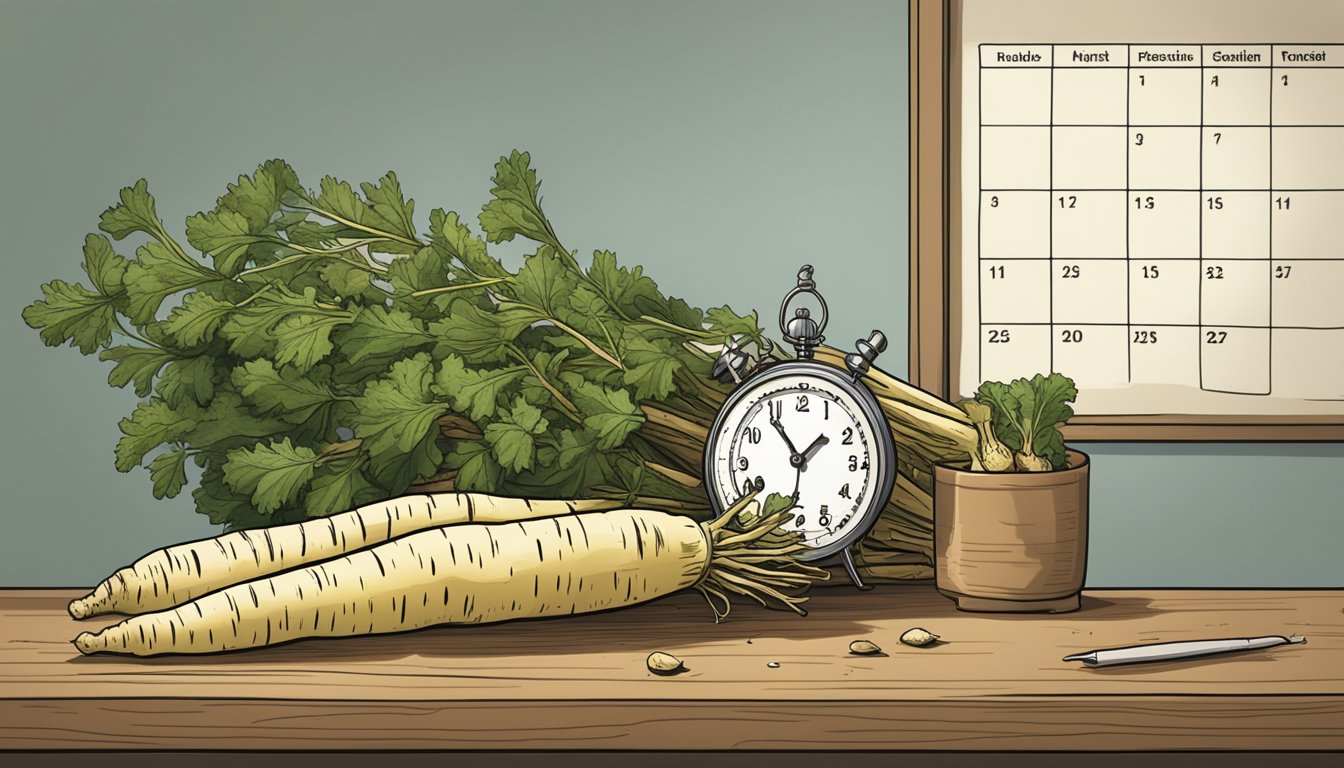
720,144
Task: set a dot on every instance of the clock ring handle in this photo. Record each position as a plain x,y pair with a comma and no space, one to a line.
802,331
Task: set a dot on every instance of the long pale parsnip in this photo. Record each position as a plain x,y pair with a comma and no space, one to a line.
173,575
477,574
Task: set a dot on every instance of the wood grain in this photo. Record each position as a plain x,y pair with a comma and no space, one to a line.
580,683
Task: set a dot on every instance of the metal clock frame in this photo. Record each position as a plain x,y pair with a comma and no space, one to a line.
884,448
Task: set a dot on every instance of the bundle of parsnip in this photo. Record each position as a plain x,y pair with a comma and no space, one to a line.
315,350
422,561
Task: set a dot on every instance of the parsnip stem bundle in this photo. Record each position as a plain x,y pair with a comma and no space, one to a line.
481,573
173,575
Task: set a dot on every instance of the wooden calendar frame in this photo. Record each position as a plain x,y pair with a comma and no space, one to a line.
935,254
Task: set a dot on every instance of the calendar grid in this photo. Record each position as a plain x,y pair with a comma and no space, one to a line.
1269,245
1199,276
1117,302
1129,297
980,216
1051,178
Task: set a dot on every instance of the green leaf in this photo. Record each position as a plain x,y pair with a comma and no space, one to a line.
1043,404
573,463
314,234
217,501
225,235
1049,445
257,197
726,323
390,207
197,318
135,364
588,313
303,340
394,471
157,273
425,269
550,365
629,291
271,474
386,217
650,366
135,213
105,267
544,282
70,312
250,328
346,279
474,391
152,424
382,334
168,472
776,502
337,487
516,209
1004,413
228,422
188,381
478,335
476,467
285,393
512,438
451,237
396,412
630,474
608,413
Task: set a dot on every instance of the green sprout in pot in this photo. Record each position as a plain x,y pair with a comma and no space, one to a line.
1025,416
994,456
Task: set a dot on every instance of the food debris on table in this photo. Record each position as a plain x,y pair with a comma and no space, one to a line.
864,648
660,663
918,637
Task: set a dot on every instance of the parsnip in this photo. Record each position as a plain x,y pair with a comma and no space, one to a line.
481,573
173,575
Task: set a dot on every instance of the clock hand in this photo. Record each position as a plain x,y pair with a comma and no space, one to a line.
812,449
795,458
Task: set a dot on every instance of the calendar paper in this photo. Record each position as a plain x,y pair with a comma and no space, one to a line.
1153,204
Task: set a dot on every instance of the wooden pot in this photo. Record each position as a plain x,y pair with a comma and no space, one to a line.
1011,542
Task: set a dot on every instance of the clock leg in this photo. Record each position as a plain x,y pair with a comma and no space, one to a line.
853,572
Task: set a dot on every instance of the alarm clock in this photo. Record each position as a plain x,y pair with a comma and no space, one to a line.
805,430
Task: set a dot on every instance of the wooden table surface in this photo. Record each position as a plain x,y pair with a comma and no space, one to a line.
996,683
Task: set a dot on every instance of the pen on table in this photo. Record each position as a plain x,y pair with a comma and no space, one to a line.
1134,654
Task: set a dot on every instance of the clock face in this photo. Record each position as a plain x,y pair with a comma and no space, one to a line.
805,436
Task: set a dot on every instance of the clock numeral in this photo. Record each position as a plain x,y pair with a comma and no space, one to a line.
844,491
826,410
799,520
776,409
825,518
754,435
742,463
849,437
801,405
853,462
